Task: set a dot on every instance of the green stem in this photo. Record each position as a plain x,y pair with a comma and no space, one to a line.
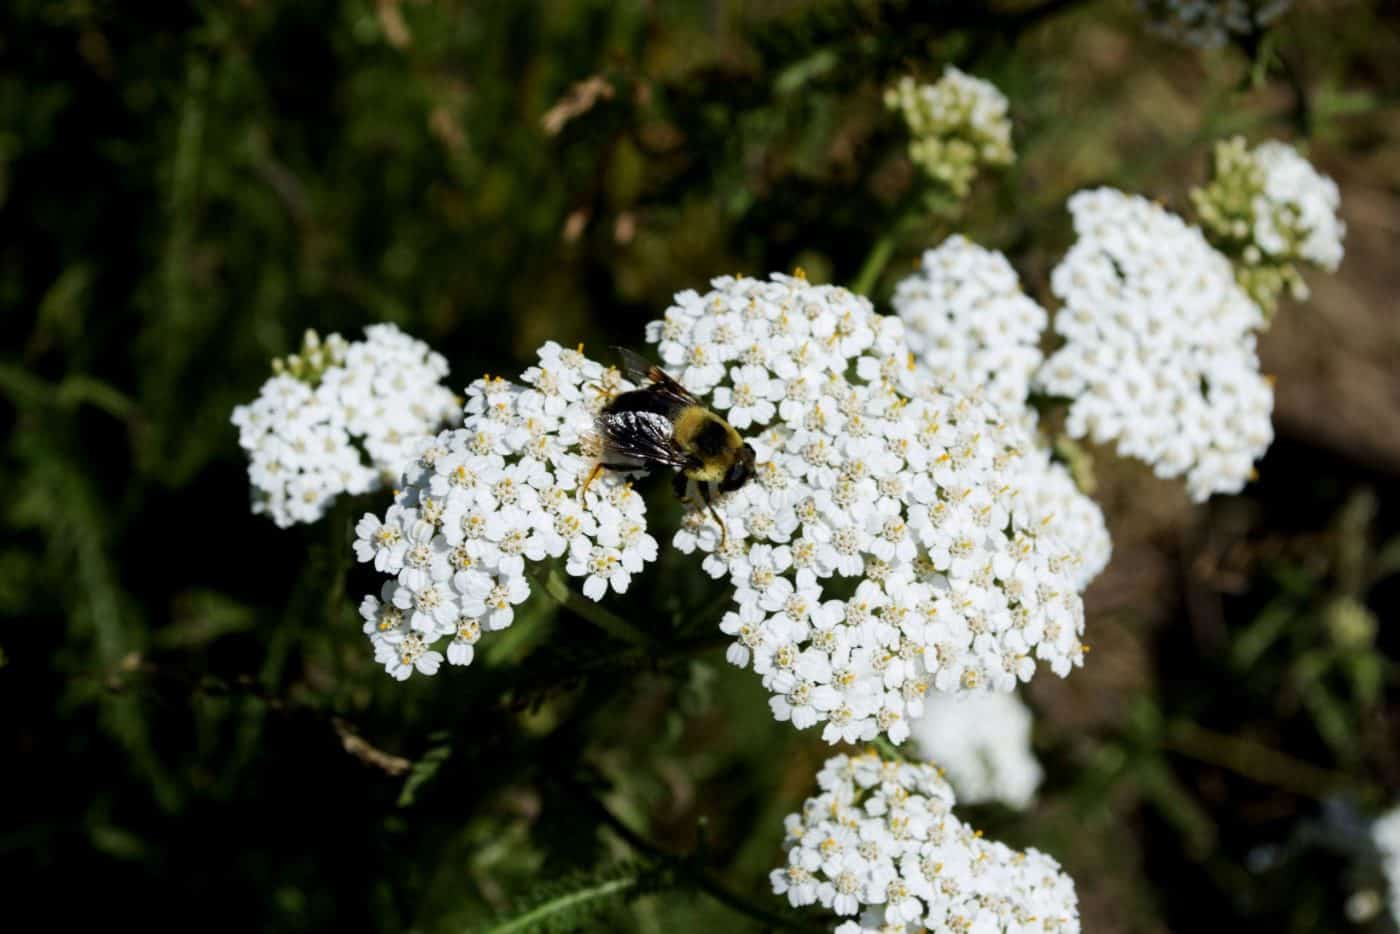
688,868
908,218
889,750
564,903
875,262
557,586
1258,762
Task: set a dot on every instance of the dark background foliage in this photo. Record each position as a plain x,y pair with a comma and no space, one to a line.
194,731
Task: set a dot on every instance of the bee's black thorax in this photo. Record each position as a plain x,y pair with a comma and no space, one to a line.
712,437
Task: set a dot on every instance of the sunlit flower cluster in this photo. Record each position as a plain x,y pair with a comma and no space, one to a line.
482,504
970,324
1271,211
885,546
1209,24
1385,833
983,744
956,125
340,418
880,842
976,333
1159,354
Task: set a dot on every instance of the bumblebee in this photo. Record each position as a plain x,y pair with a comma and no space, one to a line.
663,424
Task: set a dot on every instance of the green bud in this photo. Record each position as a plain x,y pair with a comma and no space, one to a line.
1350,623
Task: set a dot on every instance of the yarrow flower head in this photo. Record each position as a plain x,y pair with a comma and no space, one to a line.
885,546
339,418
975,332
482,504
880,841
957,125
1159,353
1209,24
970,324
983,742
1271,212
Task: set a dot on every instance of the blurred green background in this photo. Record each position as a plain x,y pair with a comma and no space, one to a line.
194,730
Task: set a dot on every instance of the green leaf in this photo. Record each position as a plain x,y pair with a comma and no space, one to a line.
203,616
1271,623
566,905
424,769
1177,806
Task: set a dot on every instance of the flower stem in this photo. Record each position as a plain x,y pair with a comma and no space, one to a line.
557,586
889,750
1260,763
688,868
875,262
916,211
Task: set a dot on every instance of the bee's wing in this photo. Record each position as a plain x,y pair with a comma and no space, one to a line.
642,371
645,436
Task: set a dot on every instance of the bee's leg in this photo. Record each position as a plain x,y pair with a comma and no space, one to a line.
597,469
707,493
680,485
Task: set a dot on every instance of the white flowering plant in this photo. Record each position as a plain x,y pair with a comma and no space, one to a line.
340,418
1016,567
907,546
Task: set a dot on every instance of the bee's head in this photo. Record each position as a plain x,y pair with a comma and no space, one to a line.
739,472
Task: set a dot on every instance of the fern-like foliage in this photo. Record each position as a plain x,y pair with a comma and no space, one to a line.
569,903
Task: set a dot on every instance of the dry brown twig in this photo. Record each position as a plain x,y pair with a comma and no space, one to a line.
358,747
582,97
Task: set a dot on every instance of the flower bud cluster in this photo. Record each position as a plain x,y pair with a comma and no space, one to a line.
1159,354
880,841
482,504
339,418
1271,212
983,742
957,125
886,545
1209,24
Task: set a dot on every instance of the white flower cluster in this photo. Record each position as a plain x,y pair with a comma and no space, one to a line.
973,329
481,502
1208,24
880,841
343,420
957,125
884,546
983,742
1385,832
1053,498
1159,350
1295,216
970,324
